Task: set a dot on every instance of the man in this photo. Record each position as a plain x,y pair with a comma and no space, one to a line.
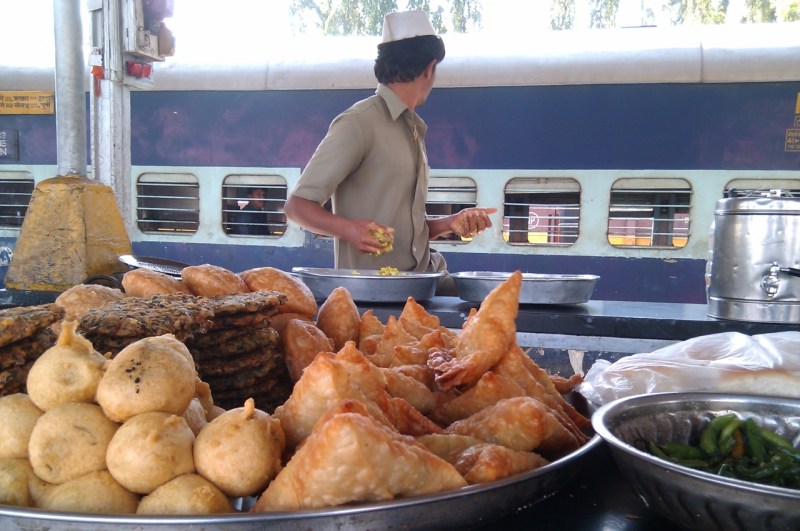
253,218
373,164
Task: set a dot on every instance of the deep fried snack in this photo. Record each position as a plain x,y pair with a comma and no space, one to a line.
179,314
69,441
96,492
18,416
338,317
195,416
250,302
413,391
186,494
78,299
15,473
302,341
152,374
227,343
520,423
150,449
490,462
24,321
323,383
240,451
70,371
485,338
26,351
279,321
148,283
299,298
351,458
489,390
208,280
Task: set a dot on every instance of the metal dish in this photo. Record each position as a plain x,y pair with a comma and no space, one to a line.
691,498
470,506
161,265
474,286
367,285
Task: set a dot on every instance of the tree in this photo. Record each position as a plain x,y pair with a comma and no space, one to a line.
604,13
365,17
699,11
562,14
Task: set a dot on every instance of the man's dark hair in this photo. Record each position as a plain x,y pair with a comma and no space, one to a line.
404,60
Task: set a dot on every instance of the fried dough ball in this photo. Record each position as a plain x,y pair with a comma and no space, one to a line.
14,477
18,416
186,494
209,280
147,283
302,341
96,493
195,416
69,441
338,317
69,371
152,374
299,298
78,299
150,449
240,451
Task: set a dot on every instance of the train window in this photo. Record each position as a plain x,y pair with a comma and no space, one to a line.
16,188
789,187
167,202
448,195
649,213
253,205
542,211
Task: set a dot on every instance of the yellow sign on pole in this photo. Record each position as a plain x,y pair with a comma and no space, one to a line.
27,102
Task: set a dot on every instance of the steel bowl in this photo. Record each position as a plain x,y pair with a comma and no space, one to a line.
368,285
691,498
474,286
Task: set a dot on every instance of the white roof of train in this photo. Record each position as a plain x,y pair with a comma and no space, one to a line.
708,54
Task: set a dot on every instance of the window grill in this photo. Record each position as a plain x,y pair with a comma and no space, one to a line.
16,188
649,213
542,211
238,216
168,202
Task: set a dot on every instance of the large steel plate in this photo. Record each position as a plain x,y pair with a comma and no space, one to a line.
368,285
466,507
537,288
161,265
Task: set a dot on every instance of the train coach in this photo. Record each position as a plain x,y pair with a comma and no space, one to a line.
604,153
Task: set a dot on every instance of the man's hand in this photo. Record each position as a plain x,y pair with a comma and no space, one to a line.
471,221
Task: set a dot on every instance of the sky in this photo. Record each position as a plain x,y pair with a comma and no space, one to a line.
215,30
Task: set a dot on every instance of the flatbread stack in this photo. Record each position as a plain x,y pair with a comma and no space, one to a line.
25,334
239,356
115,325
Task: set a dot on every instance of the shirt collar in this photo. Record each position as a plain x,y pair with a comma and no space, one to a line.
393,101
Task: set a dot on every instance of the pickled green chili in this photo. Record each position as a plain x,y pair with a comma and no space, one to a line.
738,448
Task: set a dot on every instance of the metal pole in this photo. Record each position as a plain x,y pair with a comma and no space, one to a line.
70,95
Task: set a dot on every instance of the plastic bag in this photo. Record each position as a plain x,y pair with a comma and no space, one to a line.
766,364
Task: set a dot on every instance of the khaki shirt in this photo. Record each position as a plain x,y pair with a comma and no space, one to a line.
373,164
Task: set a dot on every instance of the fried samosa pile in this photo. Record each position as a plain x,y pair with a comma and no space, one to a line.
377,411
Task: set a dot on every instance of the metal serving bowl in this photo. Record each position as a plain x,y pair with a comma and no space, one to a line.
688,497
537,288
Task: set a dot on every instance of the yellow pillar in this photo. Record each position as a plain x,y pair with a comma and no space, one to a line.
72,230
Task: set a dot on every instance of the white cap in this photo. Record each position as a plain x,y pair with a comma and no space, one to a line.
406,24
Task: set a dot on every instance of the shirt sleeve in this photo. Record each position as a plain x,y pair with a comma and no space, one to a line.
336,157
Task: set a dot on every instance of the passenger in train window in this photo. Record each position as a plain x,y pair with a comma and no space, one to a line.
373,163
253,218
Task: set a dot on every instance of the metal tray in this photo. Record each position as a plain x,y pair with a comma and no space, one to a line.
162,265
474,286
467,507
367,285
